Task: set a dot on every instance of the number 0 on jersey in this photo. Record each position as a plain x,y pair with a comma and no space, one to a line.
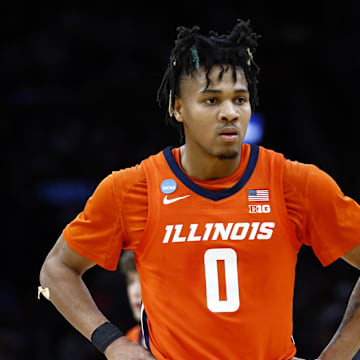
211,258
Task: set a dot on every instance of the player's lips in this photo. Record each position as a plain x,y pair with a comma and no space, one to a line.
229,133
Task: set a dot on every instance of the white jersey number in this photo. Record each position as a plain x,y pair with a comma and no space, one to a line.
211,258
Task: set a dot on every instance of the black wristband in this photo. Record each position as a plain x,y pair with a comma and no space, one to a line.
104,335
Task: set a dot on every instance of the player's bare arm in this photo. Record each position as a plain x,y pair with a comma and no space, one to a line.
62,274
346,341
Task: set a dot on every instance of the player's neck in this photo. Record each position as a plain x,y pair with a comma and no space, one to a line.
204,166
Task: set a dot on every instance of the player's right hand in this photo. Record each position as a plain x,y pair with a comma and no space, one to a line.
125,349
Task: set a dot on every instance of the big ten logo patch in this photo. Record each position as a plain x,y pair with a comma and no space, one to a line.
259,209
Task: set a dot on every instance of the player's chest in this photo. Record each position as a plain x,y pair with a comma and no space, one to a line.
183,219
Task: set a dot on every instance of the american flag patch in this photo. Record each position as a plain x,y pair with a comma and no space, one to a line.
258,195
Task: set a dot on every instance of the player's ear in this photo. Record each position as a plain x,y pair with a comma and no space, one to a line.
179,109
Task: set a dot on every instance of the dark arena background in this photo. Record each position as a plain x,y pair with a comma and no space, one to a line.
79,100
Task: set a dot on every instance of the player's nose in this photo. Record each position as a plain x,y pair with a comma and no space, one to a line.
228,112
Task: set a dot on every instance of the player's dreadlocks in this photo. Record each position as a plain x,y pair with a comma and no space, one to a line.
193,50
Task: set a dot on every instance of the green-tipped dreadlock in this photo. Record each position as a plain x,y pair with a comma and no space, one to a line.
193,50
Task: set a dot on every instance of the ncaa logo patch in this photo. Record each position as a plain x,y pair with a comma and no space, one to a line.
168,186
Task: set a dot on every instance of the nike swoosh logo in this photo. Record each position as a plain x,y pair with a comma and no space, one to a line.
167,201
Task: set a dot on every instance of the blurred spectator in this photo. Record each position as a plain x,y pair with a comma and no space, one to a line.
127,265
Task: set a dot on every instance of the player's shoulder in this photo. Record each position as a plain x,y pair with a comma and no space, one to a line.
300,175
310,180
298,169
118,182
266,154
125,179
292,167
133,179
135,175
304,171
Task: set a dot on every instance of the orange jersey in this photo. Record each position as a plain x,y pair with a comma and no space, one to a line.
217,258
135,334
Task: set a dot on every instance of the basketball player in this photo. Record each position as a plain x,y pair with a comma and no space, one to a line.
215,225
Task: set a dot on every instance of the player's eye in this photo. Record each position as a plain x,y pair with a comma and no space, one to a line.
240,100
211,101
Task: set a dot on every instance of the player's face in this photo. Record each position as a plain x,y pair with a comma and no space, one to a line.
215,118
134,293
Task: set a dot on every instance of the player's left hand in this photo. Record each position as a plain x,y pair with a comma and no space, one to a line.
125,349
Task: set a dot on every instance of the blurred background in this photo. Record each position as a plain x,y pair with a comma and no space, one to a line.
79,100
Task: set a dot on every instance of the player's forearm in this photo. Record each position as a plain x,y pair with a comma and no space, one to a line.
71,297
346,341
